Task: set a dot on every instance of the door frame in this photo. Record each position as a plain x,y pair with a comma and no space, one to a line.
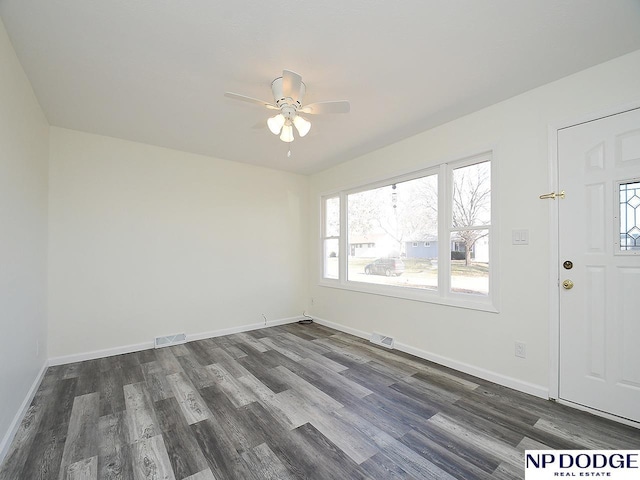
554,261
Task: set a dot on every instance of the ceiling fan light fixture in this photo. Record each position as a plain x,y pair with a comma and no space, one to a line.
288,93
287,133
302,125
275,123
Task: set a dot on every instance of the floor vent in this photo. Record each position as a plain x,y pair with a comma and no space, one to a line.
380,339
169,340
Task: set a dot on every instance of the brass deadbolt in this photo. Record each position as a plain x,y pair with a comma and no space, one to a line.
568,264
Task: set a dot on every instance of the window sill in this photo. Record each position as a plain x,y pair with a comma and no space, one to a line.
468,301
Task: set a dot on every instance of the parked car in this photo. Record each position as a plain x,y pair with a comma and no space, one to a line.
385,266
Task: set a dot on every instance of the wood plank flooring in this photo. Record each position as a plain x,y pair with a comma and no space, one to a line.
288,402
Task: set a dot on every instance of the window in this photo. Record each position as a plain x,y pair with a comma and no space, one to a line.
629,219
424,236
393,214
469,228
331,237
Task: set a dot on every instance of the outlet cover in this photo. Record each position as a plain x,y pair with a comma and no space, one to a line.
521,350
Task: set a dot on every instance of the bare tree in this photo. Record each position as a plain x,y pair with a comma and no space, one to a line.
372,211
403,216
471,206
412,213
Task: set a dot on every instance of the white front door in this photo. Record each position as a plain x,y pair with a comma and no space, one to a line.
599,228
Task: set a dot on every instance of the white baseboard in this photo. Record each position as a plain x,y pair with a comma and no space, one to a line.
107,352
510,382
243,328
110,352
342,328
15,424
516,384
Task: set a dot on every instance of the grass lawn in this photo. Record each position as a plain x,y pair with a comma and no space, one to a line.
427,266
423,273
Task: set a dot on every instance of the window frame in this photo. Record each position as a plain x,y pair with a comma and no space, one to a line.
443,295
325,237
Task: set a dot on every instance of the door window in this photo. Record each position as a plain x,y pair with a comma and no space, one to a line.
629,219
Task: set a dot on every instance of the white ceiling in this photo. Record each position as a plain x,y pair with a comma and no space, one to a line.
155,71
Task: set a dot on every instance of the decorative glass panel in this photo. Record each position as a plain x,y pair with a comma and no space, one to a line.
630,216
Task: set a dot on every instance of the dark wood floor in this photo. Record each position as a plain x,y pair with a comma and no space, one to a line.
287,402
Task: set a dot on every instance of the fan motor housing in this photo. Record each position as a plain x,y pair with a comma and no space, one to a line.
281,100
288,111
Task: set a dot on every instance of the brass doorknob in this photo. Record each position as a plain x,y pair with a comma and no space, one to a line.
567,284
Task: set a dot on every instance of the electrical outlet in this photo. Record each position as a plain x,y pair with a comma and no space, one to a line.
521,350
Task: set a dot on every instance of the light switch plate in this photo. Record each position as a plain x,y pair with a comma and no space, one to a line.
520,237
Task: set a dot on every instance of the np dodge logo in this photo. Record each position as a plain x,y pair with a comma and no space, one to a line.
610,464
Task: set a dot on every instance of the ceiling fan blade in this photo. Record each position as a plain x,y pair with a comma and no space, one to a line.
334,106
291,83
244,98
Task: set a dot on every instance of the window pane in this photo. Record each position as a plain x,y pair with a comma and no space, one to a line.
471,202
330,260
470,262
384,224
332,217
630,216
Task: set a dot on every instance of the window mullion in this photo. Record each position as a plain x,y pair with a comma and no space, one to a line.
444,222
343,241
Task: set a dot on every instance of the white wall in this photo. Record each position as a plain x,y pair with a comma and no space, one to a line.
23,236
517,128
146,241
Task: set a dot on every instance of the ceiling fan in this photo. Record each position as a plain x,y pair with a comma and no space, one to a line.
288,92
